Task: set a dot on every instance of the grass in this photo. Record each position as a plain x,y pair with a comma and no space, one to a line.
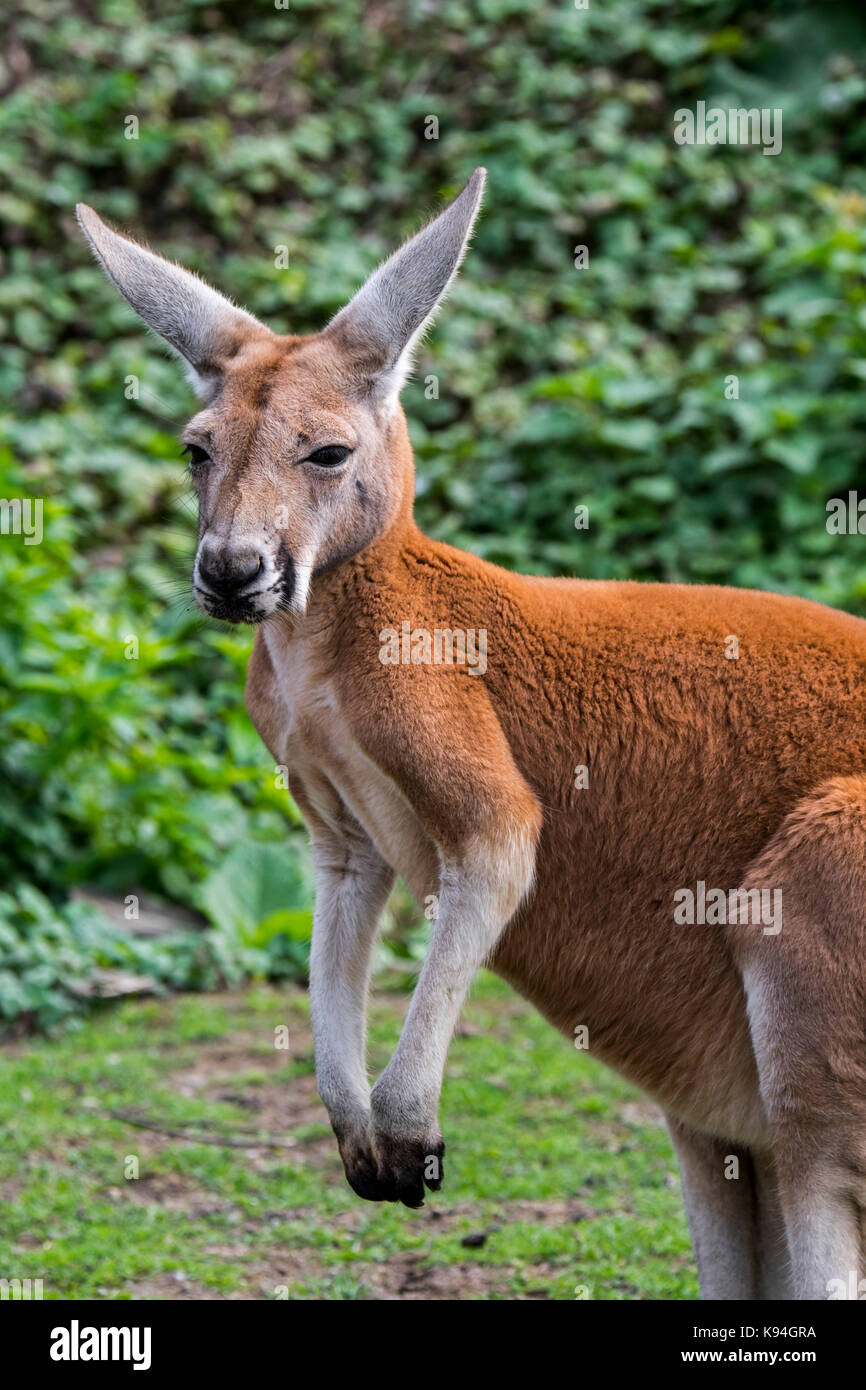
561,1172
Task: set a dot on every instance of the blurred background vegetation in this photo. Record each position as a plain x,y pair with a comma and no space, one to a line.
306,127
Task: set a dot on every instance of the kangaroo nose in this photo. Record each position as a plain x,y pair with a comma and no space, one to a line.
226,572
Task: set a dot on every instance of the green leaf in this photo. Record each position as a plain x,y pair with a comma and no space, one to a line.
254,882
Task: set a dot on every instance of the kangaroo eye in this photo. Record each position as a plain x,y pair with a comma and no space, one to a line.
195,454
330,456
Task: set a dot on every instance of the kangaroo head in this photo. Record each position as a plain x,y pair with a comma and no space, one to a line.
299,456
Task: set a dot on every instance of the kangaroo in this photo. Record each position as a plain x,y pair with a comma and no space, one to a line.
623,752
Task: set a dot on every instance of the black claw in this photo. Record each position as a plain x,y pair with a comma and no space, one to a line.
401,1176
414,1201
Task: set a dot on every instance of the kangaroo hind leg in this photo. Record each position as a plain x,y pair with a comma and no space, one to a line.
805,981
720,1206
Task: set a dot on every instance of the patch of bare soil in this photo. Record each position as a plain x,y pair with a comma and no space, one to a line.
404,1277
171,1192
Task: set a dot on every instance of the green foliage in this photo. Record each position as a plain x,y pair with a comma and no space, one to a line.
305,127
51,959
259,895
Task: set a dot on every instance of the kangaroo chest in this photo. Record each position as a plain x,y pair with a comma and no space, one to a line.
331,773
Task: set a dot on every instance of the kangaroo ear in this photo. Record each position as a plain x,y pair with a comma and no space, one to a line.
382,324
198,323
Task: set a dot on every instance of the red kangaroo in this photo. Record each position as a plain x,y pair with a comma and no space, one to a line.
643,805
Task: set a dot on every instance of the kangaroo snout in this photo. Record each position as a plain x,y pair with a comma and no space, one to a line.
228,571
234,581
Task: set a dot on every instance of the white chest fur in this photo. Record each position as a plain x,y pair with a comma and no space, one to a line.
316,744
